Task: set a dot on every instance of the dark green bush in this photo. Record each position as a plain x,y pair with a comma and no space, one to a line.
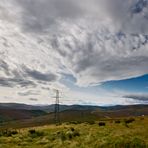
117,121
102,123
130,120
33,133
72,129
69,135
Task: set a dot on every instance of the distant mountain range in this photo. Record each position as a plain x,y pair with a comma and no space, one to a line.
22,115
47,108
50,108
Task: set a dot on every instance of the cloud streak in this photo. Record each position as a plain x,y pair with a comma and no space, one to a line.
138,97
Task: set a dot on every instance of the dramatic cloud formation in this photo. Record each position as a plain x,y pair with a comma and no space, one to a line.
94,41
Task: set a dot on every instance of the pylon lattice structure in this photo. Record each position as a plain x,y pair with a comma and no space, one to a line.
57,108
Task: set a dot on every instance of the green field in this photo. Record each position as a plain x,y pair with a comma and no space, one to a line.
116,133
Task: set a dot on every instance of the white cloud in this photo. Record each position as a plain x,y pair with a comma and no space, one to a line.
97,55
95,41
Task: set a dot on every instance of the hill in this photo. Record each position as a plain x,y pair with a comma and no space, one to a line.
46,108
13,114
50,108
78,114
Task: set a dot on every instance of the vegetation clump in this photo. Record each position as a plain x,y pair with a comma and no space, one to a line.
68,134
102,123
8,133
129,120
72,129
33,133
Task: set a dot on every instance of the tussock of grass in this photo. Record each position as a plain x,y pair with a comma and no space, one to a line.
8,133
33,133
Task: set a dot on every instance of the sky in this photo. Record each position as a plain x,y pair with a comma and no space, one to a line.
95,52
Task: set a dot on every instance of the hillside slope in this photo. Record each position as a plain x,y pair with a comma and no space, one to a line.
79,116
50,108
12,114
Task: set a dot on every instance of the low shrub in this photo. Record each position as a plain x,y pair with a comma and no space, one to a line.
141,118
14,132
8,133
72,129
69,135
130,120
33,133
102,123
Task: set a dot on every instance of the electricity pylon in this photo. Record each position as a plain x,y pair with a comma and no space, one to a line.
57,108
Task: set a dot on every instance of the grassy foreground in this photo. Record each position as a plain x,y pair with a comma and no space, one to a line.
115,134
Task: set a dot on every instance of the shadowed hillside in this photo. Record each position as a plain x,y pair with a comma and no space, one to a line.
13,114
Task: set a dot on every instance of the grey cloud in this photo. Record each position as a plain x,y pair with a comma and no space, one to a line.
24,78
46,88
48,77
39,15
139,6
129,16
28,93
5,83
33,99
140,97
4,67
13,78
13,82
